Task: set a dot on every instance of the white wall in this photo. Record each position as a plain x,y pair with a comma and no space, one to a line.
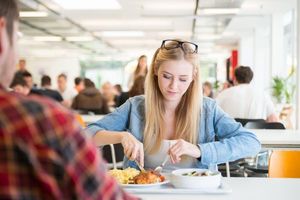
53,67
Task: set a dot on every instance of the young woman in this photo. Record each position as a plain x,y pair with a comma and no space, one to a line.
140,70
173,119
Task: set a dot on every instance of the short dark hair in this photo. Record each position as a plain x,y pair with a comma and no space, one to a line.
62,75
243,74
26,74
46,80
88,83
10,11
18,80
78,80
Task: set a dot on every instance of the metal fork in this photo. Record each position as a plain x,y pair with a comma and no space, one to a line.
160,167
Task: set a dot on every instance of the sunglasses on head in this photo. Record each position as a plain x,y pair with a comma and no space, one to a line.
187,47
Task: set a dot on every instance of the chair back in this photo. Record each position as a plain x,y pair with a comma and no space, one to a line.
113,154
264,125
284,164
244,121
80,120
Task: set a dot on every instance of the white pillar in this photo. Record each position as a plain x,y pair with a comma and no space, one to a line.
298,69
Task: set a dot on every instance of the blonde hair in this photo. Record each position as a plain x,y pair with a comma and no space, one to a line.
187,114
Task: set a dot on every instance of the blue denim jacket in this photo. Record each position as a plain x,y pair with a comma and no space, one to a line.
234,141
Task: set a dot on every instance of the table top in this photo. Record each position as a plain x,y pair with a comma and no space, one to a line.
242,188
274,138
91,118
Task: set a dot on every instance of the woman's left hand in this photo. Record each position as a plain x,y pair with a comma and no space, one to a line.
181,147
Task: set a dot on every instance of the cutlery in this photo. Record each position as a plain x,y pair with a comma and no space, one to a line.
160,167
140,166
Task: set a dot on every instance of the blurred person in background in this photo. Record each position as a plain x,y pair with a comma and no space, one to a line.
244,101
22,67
173,118
138,88
29,82
208,89
118,89
79,84
109,93
67,93
43,152
47,91
19,85
90,100
140,70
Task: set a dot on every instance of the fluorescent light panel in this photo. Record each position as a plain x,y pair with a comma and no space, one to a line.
47,39
123,34
169,5
33,14
208,37
219,11
80,38
89,4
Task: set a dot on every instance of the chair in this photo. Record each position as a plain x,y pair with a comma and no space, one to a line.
244,121
260,168
284,164
113,154
264,125
80,120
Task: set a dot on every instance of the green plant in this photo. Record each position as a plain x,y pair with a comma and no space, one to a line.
282,88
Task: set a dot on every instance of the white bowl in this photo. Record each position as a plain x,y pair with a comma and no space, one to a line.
195,182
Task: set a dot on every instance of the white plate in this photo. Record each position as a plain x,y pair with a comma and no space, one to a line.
170,189
145,185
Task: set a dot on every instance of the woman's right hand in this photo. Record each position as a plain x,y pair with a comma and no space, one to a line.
133,149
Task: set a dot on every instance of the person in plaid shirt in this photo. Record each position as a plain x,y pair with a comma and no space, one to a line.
43,154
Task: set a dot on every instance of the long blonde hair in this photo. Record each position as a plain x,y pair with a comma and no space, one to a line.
187,114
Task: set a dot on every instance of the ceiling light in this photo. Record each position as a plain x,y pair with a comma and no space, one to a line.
80,38
175,34
47,39
89,5
175,5
208,37
123,34
33,14
218,11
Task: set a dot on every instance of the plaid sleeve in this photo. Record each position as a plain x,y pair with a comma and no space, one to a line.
86,171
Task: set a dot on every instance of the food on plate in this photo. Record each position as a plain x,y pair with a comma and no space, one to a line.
133,176
195,173
148,177
124,176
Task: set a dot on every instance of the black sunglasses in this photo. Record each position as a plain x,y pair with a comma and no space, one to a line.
187,47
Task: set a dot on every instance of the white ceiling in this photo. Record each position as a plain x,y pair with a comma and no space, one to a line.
144,23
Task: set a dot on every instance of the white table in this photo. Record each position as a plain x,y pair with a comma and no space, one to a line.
91,118
278,139
242,188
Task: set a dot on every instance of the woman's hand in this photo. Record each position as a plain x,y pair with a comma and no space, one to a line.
181,147
133,149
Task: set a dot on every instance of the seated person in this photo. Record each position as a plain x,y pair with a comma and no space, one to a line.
90,100
47,91
19,85
244,101
138,88
42,150
174,119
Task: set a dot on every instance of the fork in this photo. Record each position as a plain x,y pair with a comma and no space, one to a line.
160,167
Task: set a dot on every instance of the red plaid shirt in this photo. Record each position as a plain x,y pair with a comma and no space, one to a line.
43,155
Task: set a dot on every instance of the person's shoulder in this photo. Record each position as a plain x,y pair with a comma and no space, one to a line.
140,99
208,103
